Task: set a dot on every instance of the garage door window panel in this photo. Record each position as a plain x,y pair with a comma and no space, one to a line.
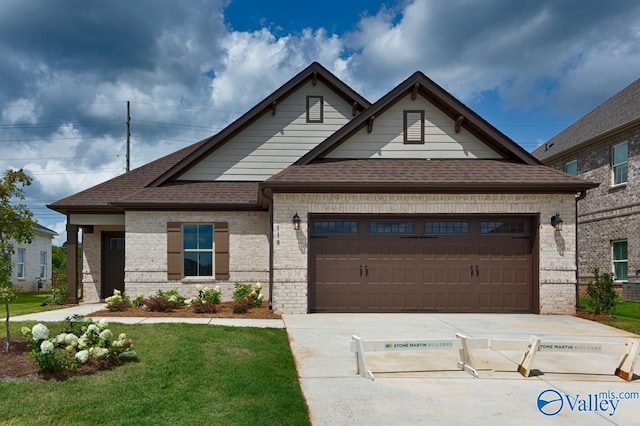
391,227
446,227
335,227
507,228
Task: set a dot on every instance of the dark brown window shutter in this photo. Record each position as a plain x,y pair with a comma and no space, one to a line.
174,250
222,250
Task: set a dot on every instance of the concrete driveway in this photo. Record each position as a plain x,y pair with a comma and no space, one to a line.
431,390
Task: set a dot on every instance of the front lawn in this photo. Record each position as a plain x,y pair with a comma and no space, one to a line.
626,315
186,374
28,303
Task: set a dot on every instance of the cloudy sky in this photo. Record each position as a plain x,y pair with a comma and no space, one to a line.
189,67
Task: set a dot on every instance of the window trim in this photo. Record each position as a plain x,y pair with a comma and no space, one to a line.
211,250
614,166
571,163
615,261
408,141
309,119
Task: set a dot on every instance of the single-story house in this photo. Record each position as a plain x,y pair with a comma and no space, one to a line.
31,262
411,204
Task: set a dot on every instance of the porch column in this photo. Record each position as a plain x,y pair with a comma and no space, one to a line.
72,263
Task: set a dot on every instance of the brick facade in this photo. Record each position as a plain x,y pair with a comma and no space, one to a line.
146,253
556,255
608,213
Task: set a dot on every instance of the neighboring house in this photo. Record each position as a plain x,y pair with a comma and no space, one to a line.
604,147
414,203
32,261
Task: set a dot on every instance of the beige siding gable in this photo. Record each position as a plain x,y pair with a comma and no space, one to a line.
274,142
387,139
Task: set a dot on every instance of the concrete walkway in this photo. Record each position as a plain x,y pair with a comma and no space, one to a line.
87,308
426,387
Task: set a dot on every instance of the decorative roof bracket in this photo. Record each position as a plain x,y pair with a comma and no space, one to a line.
414,92
315,78
459,121
354,110
273,108
370,124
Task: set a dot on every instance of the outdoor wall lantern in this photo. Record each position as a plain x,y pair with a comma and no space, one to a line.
296,221
556,222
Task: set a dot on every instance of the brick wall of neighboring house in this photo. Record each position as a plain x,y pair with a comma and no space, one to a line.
41,243
556,256
607,213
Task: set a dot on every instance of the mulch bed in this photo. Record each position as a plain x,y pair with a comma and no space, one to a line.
16,365
225,310
594,317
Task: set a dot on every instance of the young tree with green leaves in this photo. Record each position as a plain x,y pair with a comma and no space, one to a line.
16,226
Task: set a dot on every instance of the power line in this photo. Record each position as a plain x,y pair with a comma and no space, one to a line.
47,125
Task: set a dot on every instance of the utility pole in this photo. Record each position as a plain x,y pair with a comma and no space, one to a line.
128,135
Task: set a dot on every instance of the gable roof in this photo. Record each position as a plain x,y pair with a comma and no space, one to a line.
44,230
620,111
418,83
313,72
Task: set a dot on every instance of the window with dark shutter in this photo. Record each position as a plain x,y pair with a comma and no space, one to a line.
186,247
315,109
413,127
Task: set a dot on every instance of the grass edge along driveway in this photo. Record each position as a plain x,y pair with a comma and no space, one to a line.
187,374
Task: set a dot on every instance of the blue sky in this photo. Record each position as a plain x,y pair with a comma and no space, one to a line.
189,67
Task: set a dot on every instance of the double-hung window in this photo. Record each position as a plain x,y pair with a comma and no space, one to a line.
198,250
620,259
619,163
43,264
20,263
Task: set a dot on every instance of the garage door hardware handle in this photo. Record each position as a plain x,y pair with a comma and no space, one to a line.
477,270
366,271
360,270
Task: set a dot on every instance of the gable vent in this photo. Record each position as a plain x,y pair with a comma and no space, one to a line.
314,109
413,127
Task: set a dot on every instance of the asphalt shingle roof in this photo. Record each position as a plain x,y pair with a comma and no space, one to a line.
619,110
474,175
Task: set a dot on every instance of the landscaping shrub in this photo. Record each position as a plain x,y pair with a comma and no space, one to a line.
138,302
244,294
603,296
66,351
158,304
118,302
58,294
172,296
242,307
211,295
201,306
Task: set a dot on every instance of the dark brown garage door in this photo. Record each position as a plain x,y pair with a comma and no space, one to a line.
421,264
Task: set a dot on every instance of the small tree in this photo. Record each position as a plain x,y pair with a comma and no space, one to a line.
16,225
603,296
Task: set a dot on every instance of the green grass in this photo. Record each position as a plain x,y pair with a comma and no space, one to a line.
28,303
627,315
187,374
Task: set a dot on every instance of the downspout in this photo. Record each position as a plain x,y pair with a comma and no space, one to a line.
270,237
579,197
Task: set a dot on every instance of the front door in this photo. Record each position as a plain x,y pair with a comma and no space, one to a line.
112,263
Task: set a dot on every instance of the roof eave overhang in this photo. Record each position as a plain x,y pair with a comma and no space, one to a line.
85,209
601,137
479,188
189,206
